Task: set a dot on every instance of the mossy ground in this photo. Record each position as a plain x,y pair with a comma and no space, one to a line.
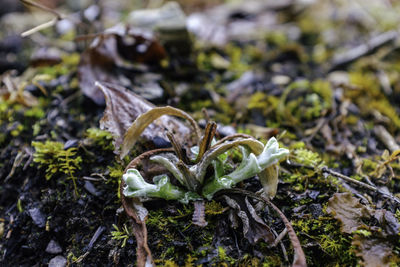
49,147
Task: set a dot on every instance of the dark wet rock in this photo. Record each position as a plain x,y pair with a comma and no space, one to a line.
37,217
58,261
91,189
53,247
160,142
8,6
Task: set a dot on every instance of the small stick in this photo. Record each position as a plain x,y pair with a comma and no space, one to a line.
386,138
45,25
280,237
40,27
278,240
42,7
349,179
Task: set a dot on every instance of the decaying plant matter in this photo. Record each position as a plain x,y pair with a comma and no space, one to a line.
194,174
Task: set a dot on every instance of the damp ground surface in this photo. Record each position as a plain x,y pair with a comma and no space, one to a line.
320,76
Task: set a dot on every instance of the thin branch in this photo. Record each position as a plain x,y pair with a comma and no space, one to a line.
42,7
354,181
45,25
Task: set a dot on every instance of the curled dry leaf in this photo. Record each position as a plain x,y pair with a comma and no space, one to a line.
119,47
388,222
375,248
374,251
123,107
143,122
138,213
348,210
254,228
299,259
198,214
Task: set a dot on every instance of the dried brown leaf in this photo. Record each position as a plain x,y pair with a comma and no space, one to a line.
123,107
254,228
14,91
118,47
138,213
348,210
198,214
151,118
388,222
97,64
374,251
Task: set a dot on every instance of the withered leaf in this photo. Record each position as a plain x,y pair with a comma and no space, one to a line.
45,57
156,116
124,106
388,223
198,214
374,251
254,228
348,210
119,47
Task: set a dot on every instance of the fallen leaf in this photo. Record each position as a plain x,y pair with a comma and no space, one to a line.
45,57
198,214
348,210
117,47
14,91
388,222
124,106
254,228
374,251
156,116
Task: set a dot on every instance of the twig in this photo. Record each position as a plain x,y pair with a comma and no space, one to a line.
342,60
40,27
278,240
45,25
367,186
299,257
386,138
280,237
42,7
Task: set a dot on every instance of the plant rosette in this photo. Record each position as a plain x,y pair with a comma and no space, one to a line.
190,174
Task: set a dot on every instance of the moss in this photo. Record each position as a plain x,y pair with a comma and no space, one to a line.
333,248
213,208
323,89
304,101
157,219
52,156
239,64
100,138
386,109
257,100
369,166
276,38
223,259
17,130
35,112
272,261
307,157
121,235
368,96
